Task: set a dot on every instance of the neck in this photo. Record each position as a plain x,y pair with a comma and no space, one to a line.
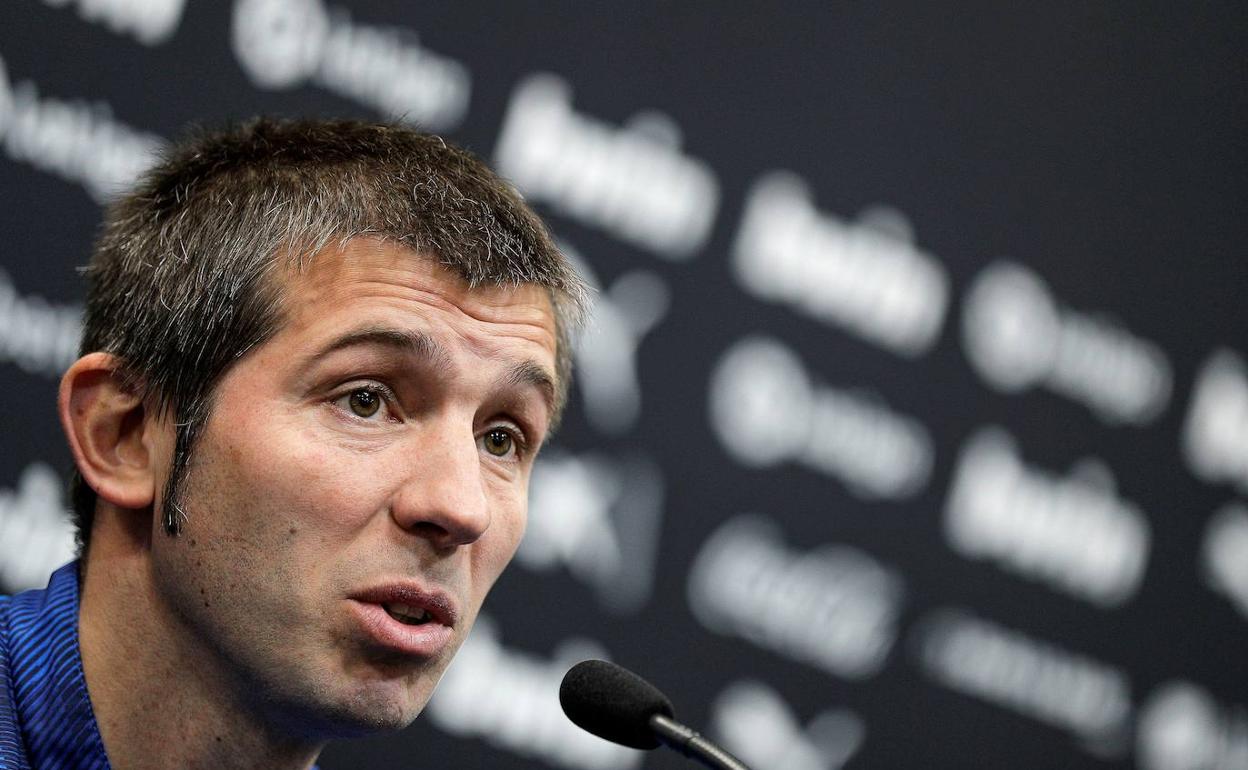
160,700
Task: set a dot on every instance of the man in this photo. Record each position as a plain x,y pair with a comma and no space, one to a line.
318,361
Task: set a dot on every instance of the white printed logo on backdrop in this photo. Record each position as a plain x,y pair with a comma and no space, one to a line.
37,336
753,722
1224,555
36,534
606,354
75,140
765,410
1073,533
866,277
1215,439
510,698
834,607
283,43
1182,727
631,181
151,22
1017,337
1013,671
598,517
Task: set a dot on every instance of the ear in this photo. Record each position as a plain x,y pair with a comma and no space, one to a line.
110,434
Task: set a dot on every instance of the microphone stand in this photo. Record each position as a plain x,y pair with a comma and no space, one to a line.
693,745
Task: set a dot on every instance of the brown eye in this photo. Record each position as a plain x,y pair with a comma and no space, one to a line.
364,403
498,442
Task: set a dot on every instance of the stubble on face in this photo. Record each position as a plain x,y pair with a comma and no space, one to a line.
293,505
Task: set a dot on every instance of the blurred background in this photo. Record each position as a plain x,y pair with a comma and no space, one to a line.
912,428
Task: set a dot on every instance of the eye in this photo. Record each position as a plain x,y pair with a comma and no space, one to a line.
365,402
499,442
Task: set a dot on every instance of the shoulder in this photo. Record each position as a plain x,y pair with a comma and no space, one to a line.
27,617
6,655
36,626
11,748
6,604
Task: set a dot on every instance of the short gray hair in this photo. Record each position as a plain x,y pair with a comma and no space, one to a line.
182,281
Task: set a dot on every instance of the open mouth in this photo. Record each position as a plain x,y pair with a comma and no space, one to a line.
407,620
407,614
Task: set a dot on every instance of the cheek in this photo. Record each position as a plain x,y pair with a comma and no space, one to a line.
262,514
302,482
499,545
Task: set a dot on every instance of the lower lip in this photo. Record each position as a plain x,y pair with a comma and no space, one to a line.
425,641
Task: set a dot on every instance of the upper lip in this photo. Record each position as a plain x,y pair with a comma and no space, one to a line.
439,605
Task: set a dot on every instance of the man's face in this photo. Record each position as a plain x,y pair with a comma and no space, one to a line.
359,487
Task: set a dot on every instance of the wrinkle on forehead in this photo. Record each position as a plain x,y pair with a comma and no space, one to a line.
394,274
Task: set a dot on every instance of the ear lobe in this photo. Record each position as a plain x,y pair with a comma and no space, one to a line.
109,431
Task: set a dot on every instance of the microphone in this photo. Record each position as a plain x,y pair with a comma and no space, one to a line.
614,703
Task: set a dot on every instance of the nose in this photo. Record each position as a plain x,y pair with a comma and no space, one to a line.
442,497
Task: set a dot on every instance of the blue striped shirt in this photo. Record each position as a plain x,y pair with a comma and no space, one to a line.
46,719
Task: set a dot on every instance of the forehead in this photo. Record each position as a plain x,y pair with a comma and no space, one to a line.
376,283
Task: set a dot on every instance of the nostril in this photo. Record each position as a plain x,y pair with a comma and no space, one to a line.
444,498
446,534
443,519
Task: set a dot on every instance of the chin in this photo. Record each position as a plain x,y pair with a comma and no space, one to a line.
367,709
382,707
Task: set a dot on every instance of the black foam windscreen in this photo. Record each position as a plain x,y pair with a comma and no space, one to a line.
613,703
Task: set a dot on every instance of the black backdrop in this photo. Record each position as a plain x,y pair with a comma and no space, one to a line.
913,428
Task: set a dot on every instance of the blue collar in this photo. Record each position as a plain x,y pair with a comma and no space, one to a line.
46,719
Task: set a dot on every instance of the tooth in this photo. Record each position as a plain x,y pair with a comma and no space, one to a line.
406,613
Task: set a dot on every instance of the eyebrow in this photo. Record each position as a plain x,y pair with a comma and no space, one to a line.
534,375
524,374
400,340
